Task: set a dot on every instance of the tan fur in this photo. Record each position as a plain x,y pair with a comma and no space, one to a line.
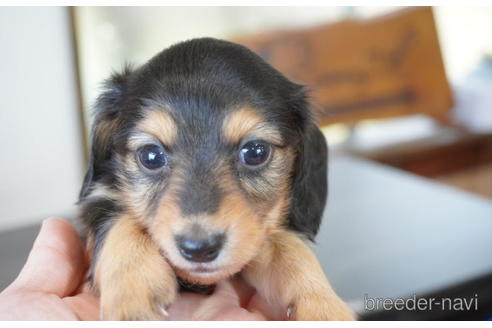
287,274
159,123
246,225
135,281
246,120
274,181
89,246
245,233
139,261
104,132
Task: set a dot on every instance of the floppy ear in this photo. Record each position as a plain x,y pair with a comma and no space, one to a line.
309,189
105,124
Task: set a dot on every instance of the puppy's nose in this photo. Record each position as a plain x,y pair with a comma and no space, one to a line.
200,249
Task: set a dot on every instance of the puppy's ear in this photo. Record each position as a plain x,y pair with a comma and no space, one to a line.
105,124
309,188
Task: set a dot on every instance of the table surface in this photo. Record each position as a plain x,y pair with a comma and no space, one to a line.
385,233
388,233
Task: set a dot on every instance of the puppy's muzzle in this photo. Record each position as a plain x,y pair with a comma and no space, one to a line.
199,248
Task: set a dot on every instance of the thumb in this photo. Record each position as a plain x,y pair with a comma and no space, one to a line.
56,263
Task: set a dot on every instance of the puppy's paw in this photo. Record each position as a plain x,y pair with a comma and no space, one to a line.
131,303
134,279
319,306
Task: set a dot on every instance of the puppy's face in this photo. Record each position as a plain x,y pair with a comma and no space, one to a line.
202,145
208,191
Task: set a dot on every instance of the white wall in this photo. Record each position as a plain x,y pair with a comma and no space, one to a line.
41,159
466,35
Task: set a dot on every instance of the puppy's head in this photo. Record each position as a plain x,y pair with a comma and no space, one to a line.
211,150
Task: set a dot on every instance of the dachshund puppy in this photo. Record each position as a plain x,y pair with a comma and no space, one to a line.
205,163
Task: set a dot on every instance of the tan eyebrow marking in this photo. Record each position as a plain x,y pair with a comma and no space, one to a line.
160,124
248,121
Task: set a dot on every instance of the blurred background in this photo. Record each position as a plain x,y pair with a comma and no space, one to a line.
406,87
409,87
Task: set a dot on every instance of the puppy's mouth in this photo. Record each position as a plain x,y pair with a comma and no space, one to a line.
203,274
203,269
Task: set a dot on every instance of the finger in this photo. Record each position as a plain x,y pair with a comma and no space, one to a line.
185,306
200,307
258,304
85,306
56,261
228,301
252,301
234,290
225,303
231,293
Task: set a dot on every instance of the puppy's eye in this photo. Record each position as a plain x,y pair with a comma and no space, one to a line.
152,156
254,153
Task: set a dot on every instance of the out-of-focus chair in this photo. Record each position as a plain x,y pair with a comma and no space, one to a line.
359,69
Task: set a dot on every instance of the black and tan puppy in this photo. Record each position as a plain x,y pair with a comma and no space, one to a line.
205,163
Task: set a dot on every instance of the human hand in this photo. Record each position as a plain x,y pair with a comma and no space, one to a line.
232,300
50,287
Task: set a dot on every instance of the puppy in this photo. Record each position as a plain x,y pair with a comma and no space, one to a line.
205,163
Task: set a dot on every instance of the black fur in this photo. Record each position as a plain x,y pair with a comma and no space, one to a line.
309,189
201,79
97,214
